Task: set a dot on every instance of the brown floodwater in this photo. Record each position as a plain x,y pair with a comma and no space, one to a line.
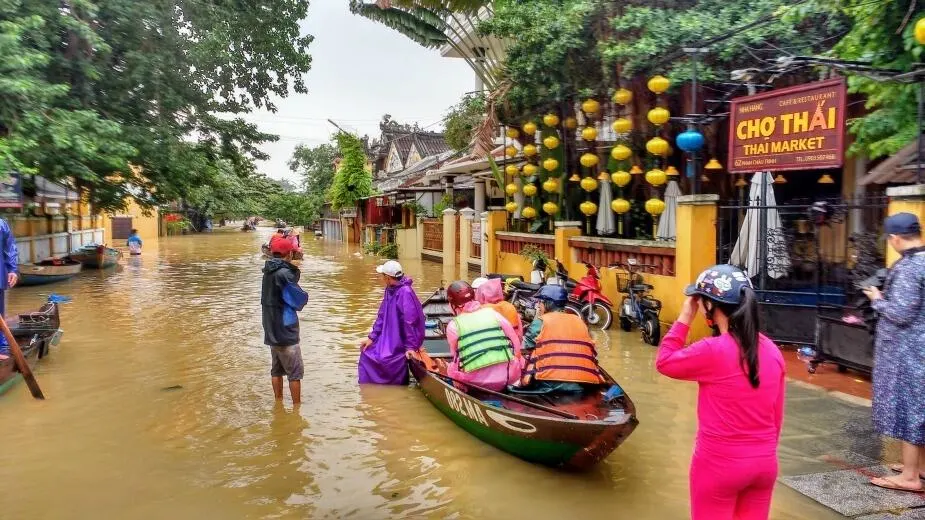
159,406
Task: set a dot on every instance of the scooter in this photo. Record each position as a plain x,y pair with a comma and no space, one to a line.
638,307
586,297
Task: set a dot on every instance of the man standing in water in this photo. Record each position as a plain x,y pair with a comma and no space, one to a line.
280,298
9,266
399,327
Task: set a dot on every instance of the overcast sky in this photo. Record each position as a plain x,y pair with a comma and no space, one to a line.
360,71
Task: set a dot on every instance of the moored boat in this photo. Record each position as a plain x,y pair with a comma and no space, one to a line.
574,430
96,256
35,332
48,271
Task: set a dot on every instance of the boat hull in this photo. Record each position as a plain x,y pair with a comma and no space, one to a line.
35,333
96,260
39,274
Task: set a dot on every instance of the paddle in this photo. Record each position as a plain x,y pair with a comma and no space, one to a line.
21,361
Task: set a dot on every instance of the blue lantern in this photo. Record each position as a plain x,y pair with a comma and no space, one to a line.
690,141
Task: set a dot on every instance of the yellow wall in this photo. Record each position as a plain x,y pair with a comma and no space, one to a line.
905,199
148,226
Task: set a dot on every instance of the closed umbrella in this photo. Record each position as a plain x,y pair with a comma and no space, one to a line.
748,247
667,225
606,223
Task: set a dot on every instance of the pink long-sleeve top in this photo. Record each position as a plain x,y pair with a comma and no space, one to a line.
734,419
495,377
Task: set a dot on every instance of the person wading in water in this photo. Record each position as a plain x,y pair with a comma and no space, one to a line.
280,298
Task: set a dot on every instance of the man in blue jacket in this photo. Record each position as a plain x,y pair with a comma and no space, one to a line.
9,271
280,298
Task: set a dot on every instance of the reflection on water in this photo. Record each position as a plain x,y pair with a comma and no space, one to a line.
159,405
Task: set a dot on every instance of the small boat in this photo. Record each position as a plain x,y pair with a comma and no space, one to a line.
36,332
47,271
569,430
98,256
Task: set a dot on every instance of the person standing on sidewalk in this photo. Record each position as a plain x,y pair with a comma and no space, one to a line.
899,353
9,267
740,405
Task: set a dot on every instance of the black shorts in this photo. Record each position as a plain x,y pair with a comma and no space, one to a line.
287,361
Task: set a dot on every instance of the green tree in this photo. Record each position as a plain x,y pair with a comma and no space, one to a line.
315,165
293,207
463,119
352,182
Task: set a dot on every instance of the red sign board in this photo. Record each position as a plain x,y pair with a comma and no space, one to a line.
796,128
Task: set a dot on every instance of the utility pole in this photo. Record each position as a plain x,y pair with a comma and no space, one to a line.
692,160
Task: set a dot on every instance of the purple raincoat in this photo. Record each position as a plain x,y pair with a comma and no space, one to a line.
399,327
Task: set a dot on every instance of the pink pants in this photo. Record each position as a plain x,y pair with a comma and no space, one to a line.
731,488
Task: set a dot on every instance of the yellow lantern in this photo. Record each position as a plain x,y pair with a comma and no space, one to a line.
550,120
551,208
550,164
658,116
588,184
655,207
512,133
920,31
511,188
529,150
571,123
551,142
603,176
622,126
510,151
671,171
590,106
713,164
659,84
529,128
530,170
656,177
780,179
511,207
589,133
621,178
826,179
622,96
530,190
620,206
740,183
512,170
574,178
551,185
635,170
528,213
588,208
589,160
657,146
621,152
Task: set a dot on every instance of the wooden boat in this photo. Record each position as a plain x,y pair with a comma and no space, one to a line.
571,430
35,332
97,256
48,271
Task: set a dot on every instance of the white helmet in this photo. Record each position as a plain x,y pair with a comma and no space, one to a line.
478,281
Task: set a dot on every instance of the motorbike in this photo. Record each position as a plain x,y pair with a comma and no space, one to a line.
638,307
586,298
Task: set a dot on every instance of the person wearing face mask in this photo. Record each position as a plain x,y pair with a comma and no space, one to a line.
740,403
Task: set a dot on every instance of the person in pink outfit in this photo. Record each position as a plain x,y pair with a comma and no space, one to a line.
481,342
740,404
490,293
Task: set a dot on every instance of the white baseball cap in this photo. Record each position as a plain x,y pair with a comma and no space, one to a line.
478,281
391,268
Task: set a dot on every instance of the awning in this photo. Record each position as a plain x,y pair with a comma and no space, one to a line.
899,168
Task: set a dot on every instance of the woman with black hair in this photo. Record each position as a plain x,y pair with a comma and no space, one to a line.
740,405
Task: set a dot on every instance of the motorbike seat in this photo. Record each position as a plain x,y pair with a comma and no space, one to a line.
524,286
642,287
571,284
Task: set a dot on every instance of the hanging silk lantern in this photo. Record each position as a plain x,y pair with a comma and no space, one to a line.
571,123
658,116
622,126
530,190
511,170
550,208
588,208
529,128
621,178
635,170
530,170
656,177
511,188
512,133
657,146
621,152
550,164
620,206
590,106
658,84
529,150
622,96
511,207
550,120
671,171
588,184
589,133
510,151
528,213
574,178
603,176
689,141
920,31
551,185
589,160
551,142
655,207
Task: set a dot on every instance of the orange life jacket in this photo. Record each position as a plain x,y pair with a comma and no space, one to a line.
507,310
564,351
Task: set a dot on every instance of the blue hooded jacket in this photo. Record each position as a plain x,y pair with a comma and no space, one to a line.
10,254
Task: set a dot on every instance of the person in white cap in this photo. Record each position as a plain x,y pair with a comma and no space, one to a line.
399,327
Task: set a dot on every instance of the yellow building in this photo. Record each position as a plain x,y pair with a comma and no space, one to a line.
118,225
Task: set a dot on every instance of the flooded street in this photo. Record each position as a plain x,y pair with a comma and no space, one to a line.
159,406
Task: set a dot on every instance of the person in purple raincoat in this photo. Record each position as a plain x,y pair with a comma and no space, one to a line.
399,328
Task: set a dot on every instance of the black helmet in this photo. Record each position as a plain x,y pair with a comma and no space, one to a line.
721,283
556,294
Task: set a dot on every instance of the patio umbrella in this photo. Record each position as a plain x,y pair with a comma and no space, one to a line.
748,247
667,222
606,223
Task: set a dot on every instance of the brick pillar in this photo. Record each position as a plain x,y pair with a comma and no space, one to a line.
449,238
465,240
905,199
695,248
496,220
565,230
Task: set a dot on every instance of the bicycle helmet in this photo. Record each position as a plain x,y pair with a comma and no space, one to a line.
555,294
721,283
459,293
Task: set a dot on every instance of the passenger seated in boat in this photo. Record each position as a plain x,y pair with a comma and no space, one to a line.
480,341
559,349
490,293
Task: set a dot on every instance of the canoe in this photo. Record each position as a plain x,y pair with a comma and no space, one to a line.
565,430
36,332
48,271
99,257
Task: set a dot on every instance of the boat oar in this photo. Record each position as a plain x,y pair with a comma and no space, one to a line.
21,361
560,413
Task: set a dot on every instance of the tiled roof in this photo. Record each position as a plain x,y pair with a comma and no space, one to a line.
427,144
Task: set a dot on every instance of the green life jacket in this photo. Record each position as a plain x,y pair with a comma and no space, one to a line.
482,342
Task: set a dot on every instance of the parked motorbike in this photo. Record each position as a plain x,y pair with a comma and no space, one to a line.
638,307
586,297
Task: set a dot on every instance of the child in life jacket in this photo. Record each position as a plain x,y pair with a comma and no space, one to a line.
490,293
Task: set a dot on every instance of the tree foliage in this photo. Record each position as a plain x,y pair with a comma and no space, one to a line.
293,207
315,166
462,121
352,181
